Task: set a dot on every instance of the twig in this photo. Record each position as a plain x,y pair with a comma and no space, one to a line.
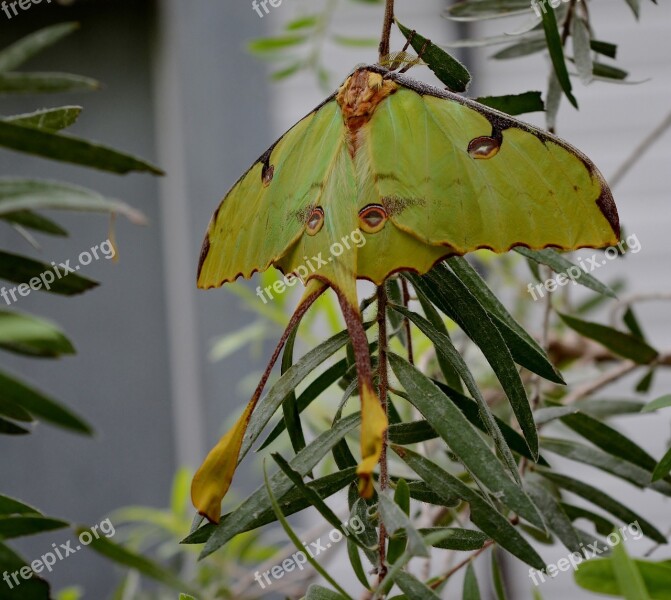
434,585
383,389
607,378
640,151
408,328
386,29
625,303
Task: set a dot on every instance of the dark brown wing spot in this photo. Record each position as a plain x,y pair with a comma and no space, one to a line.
484,147
267,174
204,251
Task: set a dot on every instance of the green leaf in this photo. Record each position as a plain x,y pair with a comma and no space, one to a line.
294,538
255,504
453,538
663,468
448,69
597,575
25,334
317,592
398,545
557,520
523,48
462,438
34,588
10,506
302,23
445,348
34,275
395,519
663,402
564,267
605,48
31,220
127,558
9,428
626,573
604,501
523,347
414,588
471,10
31,45
601,524
292,418
515,104
497,577
45,83
13,411
355,42
635,7
582,51
49,119
272,44
471,589
609,72
40,405
554,44
13,527
618,342
66,148
451,296
31,194
291,502
483,514
287,383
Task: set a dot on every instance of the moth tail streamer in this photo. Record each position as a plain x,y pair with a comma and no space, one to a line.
213,479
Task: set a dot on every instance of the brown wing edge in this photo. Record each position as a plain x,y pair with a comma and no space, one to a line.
500,122
264,159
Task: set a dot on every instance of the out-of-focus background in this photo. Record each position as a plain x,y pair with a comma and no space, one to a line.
181,90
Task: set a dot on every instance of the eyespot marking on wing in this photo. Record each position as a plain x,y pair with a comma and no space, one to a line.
315,221
484,147
372,218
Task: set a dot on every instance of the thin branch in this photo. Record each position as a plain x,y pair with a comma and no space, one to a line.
640,151
386,29
408,328
622,305
383,389
607,378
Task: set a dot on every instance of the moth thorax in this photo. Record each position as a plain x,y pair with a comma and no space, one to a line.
360,95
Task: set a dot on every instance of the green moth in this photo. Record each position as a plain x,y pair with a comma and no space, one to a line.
422,174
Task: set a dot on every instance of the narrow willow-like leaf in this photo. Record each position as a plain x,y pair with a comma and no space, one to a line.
11,506
285,384
20,526
483,514
563,266
558,521
515,104
34,588
292,419
19,52
31,220
618,342
556,50
582,51
317,592
22,270
41,405
626,572
30,194
471,589
450,295
25,334
447,68
462,438
663,468
45,83
295,539
524,348
604,501
601,524
66,148
303,462
397,544
658,403
414,588
395,519
445,348
50,119
292,502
